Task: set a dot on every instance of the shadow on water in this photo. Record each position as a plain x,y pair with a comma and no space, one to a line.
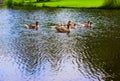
45,55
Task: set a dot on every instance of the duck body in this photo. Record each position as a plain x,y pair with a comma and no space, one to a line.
73,25
62,29
86,24
32,26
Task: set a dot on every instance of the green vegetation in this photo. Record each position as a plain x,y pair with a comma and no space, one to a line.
8,3
111,4
73,3
65,3
56,3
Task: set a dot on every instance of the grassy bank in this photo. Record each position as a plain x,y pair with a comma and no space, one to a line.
58,3
73,3
66,3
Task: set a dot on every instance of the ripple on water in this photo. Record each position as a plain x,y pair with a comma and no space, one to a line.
45,55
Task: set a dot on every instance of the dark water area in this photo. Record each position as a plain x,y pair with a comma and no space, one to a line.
86,54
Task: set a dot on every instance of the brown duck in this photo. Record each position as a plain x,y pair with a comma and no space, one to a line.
33,26
86,24
64,29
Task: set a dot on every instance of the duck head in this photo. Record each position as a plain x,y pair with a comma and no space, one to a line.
90,22
37,23
68,24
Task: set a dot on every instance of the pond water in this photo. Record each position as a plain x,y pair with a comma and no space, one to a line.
86,54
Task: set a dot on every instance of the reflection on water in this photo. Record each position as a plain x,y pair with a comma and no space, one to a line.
45,55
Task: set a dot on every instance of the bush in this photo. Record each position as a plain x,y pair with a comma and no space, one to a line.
111,4
9,3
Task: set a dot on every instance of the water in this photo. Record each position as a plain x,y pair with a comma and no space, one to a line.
46,55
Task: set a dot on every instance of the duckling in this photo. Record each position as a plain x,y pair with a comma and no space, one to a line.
59,25
86,24
33,26
64,29
73,25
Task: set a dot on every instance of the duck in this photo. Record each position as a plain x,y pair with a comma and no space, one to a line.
59,25
64,28
72,25
33,26
86,24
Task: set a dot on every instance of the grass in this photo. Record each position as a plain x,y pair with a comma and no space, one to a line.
60,3
66,3
74,3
